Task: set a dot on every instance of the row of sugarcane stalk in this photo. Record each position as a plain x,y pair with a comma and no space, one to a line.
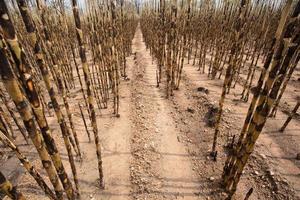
203,33
39,46
281,58
230,39
166,31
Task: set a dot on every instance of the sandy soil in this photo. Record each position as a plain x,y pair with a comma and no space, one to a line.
159,148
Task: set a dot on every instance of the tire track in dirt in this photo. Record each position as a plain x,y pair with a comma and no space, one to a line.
161,168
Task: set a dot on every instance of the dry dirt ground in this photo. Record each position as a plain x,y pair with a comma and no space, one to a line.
159,148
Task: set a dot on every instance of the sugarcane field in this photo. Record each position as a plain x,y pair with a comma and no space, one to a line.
149,99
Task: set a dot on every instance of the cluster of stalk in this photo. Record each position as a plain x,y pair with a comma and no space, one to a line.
234,39
110,31
167,32
203,33
281,59
40,44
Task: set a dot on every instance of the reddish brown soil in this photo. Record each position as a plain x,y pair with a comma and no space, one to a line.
159,148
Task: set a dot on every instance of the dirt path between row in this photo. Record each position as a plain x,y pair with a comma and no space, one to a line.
161,168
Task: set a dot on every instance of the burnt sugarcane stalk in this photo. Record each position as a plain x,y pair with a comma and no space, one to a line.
7,188
113,35
65,100
39,56
79,35
59,80
229,71
7,126
291,115
79,77
85,125
12,87
275,42
12,114
35,42
28,166
289,75
287,48
24,70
